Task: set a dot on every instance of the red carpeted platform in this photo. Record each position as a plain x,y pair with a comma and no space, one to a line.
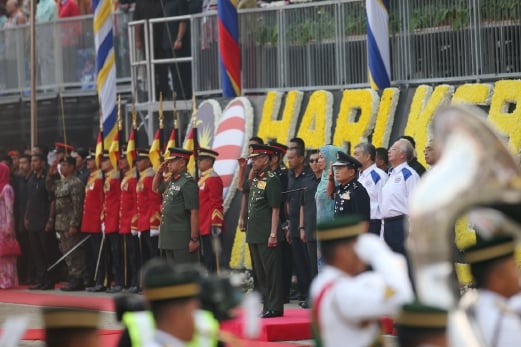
294,325
55,298
109,338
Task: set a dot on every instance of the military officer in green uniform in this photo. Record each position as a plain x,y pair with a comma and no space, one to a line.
179,228
262,233
68,192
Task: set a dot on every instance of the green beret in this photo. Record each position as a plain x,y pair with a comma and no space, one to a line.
418,315
70,318
341,228
494,248
163,281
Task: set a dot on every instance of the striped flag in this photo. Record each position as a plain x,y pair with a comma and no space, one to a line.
114,151
99,150
229,51
131,148
155,150
171,143
105,65
378,54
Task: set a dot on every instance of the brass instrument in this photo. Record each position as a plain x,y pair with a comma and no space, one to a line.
476,171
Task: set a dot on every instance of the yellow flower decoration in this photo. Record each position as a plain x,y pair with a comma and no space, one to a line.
350,129
473,94
315,126
270,126
424,104
385,117
507,93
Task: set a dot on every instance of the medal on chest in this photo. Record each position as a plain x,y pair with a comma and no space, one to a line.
345,196
261,185
140,187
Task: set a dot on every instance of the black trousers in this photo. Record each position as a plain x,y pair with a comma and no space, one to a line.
266,266
301,265
394,234
25,262
208,252
92,255
116,258
311,247
374,226
131,259
149,246
45,251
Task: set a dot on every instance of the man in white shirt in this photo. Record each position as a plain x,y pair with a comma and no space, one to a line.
497,277
348,301
373,179
172,294
395,194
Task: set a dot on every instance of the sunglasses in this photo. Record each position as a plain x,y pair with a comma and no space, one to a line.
313,161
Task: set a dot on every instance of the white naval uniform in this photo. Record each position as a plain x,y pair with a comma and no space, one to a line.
373,179
351,306
499,319
397,189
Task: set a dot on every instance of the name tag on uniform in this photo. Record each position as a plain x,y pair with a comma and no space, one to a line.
345,196
176,188
261,185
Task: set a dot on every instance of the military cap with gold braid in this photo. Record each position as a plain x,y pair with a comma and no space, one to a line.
207,153
70,318
142,153
486,250
178,153
257,150
162,281
341,228
279,147
418,315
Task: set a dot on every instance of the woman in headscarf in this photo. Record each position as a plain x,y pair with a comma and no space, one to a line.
8,274
325,205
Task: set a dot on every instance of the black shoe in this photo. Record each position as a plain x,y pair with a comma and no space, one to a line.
98,288
115,289
272,314
37,287
132,290
74,286
47,286
304,304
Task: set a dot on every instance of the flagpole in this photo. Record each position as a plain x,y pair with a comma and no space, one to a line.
196,139
176,125
161,125
34,115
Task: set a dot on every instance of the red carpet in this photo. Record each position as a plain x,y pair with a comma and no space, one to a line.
295,325
55,298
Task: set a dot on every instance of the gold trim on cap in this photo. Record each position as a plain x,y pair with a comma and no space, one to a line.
489,253
171,292
71,319
341,232
423,319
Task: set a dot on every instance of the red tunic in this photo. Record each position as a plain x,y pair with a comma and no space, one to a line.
128,203
111,205
210,201
93,203
148,202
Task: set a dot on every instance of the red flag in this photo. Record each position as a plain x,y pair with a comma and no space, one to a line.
171,143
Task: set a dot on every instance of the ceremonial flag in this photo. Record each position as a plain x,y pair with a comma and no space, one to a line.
155,150
229,50
99,149
114,151
131,148
378,54
105,66
171,143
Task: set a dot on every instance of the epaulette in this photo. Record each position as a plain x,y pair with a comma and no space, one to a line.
271,174
187,175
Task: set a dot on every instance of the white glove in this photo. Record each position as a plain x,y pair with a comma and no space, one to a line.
134,232
368,246
103,228
154,232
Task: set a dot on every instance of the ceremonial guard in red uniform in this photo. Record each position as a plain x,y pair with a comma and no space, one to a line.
211,216
110,223
91,222
127,219
148,207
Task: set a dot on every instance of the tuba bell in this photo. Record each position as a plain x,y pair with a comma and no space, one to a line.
475,170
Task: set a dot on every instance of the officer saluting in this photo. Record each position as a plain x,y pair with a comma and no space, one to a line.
348,301
179,229
350,196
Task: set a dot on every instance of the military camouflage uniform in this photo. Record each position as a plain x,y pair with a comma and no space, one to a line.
69,193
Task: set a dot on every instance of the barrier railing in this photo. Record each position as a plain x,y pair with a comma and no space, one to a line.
307,46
